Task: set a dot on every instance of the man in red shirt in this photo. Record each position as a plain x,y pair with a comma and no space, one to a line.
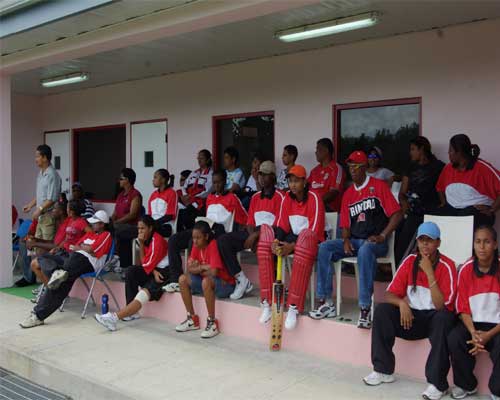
327,178
264,208
369,214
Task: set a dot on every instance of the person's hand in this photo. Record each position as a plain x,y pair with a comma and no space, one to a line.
426,264
406,316
30,243
36,214
158,276
348,248
141,238
251,242
276,247
287,248
476,348
54,250
27,208
74,247
185,200
482,337
376,239
483,209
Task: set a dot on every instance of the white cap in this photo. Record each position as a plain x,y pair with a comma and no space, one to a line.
99,216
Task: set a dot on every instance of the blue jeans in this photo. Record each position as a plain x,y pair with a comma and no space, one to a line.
366,252
222,288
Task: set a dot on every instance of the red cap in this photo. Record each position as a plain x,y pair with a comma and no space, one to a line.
357,157
297,170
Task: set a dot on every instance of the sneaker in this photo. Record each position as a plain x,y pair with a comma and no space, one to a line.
31,321
324,311
172,287
107,320
58,277
376,378
266,314
433,393
34,300
493,397
191,323
131,317
291,318
37,290
243,286
211,330
459,393
365,318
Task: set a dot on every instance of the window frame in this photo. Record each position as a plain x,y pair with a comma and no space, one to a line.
215,140
74,148
337,108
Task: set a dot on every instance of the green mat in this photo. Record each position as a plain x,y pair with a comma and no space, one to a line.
24,292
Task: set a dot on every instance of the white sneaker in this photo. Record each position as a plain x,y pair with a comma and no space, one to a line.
172,287
433,393
31,321
131,317
291,318
107,320
37,290
324,311
211,330
243,286
459,393
493,397
58,277
376,378
191,323
266,314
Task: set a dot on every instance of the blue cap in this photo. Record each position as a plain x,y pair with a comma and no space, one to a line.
429,229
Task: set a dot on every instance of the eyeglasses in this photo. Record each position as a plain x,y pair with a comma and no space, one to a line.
372,156
355,167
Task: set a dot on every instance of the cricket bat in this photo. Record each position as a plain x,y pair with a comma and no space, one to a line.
277,309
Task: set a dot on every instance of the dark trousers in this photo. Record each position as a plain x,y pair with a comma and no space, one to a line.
463,363
187,217
479,217
124,233
76,265
229,245
136,276
28,274
179,242
430,324
405,235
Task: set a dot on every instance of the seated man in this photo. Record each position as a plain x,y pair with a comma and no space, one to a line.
77,193
264,208
235,182
301,226
88,256
368,215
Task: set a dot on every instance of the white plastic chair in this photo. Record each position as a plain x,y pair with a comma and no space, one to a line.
456,236
395,188
388,259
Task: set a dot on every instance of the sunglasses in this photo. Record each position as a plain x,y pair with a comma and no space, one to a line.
355,167
372,156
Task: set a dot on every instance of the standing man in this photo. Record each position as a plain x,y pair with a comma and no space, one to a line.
48,189
327,178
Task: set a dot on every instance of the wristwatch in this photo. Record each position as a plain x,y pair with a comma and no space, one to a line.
41,209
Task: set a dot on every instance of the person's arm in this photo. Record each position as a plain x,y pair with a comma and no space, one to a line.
403,190
329,196
141,250
41,244
406,315
393,223
27,208
41,209
208,186
436,294
135,209
442,199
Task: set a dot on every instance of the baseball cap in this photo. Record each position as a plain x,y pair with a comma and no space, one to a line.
429,229
267,167
357,157
297,170
99,216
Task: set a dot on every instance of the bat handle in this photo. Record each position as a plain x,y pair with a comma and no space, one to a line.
279,268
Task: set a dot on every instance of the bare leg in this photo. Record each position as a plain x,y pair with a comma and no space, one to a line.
208,285
187,297
131,308
35,267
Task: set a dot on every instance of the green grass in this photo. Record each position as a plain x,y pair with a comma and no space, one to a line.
24,292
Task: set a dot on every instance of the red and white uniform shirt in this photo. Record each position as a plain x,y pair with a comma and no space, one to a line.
61,232
478,296
198,186
211,256
480,185
155,253
75,229
221,207
100,244
325,179
265,210
309,214
163,203
366,209
420,298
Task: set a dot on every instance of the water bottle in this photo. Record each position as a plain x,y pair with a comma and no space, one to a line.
104,304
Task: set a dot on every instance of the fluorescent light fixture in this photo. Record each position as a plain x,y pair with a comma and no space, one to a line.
8,6
65,79
328,27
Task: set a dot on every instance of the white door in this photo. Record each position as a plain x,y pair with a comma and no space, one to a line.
59,142
149,153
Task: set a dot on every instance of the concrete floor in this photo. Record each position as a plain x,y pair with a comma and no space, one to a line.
147,359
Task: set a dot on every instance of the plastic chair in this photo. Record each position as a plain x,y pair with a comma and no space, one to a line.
21,233
395,188
388,259
456,236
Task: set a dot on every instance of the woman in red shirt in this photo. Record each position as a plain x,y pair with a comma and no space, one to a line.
478,305
207,275
127,212
150,276
162,204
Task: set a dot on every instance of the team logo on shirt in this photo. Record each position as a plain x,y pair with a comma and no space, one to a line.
371,190
362,217
364,205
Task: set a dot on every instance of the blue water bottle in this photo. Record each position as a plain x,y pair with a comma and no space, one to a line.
104,304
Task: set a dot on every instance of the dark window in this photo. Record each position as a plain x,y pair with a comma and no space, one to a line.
389,125
149,159
99,156
57,162
249,133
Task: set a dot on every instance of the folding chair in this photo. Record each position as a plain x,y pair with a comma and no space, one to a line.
388,259
21,233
